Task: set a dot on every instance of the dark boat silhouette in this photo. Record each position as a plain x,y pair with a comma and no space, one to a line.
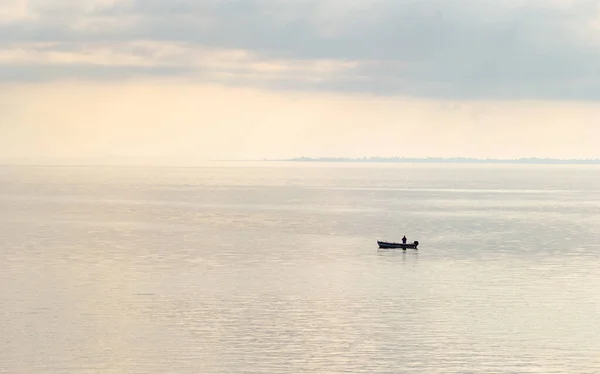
404,246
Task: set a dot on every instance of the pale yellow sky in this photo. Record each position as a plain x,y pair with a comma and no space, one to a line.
178,82
183,122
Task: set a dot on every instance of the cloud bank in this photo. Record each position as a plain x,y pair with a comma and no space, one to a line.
513,49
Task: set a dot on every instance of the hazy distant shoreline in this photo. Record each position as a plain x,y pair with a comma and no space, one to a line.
450,160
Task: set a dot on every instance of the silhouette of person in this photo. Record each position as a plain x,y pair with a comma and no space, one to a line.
404,239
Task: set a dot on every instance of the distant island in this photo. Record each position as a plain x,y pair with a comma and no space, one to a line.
453,160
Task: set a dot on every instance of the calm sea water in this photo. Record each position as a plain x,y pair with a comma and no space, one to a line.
274,268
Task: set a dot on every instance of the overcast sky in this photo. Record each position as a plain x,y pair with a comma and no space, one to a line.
192,80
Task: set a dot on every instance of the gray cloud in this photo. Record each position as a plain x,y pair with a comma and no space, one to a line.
464,48
47,73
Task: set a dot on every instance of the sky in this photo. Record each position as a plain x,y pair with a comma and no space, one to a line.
182,81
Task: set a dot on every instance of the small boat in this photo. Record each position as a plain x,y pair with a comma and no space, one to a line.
404,246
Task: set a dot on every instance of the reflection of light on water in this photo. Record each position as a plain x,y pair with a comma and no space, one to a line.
205,270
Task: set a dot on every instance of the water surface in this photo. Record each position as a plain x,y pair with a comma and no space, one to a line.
273,268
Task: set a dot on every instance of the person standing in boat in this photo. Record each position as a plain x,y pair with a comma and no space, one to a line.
404,239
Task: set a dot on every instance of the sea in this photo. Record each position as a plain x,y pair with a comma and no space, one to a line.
273,267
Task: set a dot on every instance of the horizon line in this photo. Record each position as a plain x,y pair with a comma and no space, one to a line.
304,159
458,159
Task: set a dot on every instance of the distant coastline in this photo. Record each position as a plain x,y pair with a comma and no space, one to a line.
449,160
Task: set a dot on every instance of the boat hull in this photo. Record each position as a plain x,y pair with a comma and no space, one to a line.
414,245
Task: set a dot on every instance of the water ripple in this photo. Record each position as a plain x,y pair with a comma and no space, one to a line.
216,270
